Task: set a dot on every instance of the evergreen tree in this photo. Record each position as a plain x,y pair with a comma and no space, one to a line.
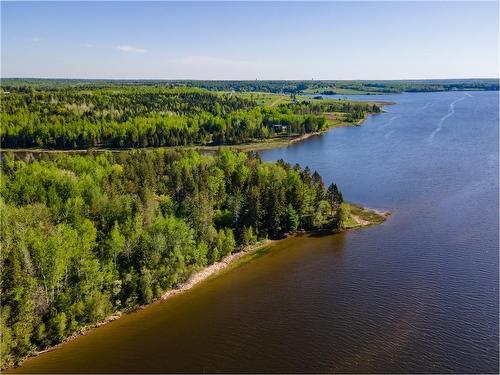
334,197
292,219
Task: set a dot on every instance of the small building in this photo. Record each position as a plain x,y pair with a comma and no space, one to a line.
278,128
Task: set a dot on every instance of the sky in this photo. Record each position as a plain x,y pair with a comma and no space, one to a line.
250,40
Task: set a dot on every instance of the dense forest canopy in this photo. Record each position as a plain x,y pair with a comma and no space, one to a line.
148,116
317,86
85,236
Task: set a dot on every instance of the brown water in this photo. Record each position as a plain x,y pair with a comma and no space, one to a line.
418,293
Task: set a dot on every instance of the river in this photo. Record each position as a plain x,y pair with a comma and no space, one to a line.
418,293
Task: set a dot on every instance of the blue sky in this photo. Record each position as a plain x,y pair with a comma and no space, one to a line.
249,40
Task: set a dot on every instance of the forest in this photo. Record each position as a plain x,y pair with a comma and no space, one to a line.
86,236
61,117
271,86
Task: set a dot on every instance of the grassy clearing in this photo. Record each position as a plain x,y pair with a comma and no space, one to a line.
338,120
271,99
362,217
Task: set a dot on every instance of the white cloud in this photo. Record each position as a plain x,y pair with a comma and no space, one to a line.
207,60
131,49
37,39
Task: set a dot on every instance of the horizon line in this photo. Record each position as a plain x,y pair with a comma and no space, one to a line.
251,80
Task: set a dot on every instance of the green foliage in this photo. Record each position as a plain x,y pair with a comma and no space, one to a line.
341,218
144,116
248,236
291,220
334,197
275,86
57,326
84,236
321,215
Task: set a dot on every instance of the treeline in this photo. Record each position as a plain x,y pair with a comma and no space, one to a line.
68,118
319,86
85,236
393,87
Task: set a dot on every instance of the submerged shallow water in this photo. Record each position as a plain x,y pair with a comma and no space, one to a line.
416,294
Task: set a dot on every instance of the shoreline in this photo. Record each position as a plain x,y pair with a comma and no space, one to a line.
362,217
255,145
212,270
193,280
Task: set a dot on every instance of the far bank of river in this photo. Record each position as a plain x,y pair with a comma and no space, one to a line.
254,145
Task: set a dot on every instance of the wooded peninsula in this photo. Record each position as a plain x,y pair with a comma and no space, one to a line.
86,236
